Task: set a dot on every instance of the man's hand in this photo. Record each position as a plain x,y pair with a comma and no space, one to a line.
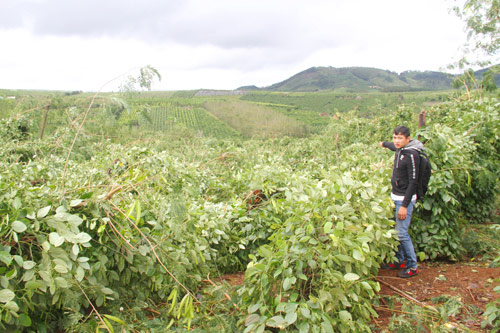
382,144
402,213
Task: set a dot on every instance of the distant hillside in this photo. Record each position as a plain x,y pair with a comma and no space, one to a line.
479,75
363,79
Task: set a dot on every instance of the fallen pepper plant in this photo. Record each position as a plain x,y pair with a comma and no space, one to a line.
105,236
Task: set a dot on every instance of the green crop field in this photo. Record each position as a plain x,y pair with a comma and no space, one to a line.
165,118
365,104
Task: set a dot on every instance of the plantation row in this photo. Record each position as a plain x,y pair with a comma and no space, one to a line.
124,231
220,118
331,103
168,117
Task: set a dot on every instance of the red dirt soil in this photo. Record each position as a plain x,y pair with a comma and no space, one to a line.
472,283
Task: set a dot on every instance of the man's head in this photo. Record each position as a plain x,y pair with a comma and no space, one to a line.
401,136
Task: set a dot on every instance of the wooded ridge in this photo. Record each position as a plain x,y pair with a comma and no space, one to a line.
363,79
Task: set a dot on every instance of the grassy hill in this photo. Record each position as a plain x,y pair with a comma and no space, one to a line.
363,79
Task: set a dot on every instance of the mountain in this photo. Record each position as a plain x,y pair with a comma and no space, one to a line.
362,79
247,88
479,74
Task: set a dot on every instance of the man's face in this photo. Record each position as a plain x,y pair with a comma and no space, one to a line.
400,140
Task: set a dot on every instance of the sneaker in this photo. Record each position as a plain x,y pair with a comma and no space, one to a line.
408,272
393,266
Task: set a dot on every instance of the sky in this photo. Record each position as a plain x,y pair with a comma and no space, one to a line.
96,45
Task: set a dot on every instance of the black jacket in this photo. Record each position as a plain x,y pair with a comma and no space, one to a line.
404,178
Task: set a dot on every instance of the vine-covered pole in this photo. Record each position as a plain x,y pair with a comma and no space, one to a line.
421,119
44,121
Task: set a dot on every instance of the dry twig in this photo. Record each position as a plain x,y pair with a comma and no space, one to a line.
93,307
225,294
154,251
405,295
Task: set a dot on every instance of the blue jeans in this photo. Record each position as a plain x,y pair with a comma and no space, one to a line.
405,248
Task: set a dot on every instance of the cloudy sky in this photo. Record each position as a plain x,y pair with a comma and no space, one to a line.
218,44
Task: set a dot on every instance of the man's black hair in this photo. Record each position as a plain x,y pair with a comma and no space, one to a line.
402,130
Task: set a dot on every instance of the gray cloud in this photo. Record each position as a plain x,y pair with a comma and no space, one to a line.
231,37
88,18
225,24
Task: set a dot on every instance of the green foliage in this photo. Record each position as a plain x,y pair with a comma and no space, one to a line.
166,117
438,228
492,313
188,207
440,317
143,80
316,271
462,141
482,243
478,120
489,79
143,225
481,19
466,80
317,109
117,106
15,129
6,106
88,246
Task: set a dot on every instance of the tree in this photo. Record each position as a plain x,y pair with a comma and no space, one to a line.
466,80
144,80
488,82
132,85
482,19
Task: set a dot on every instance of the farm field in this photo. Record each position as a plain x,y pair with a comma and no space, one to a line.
253,114
256,120
138,212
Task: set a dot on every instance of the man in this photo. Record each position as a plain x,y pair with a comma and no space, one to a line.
404,182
